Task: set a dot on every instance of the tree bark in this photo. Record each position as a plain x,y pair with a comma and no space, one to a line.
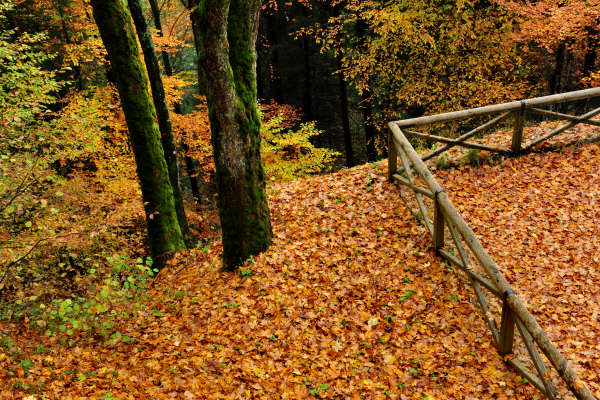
307,71
162,110
164,232
366,108
67,37
158,25
345,115
370,131
589,60
189,162
555,80
197,31
226,42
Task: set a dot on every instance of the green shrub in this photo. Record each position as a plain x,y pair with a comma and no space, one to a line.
120,295
289,154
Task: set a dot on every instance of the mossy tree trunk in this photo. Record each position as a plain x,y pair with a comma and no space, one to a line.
189,162
162,110
226,41
114,23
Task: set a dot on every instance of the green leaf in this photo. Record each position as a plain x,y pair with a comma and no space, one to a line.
406,296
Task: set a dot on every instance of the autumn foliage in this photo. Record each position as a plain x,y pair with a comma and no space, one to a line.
350,301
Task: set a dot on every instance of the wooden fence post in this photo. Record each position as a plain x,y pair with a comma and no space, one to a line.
517,137
438,224
507,328
392,156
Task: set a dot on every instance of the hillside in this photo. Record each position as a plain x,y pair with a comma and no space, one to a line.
350,301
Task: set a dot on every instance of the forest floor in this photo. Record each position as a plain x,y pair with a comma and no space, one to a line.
350,301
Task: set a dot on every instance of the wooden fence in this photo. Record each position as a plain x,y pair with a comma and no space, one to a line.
518,110
445,219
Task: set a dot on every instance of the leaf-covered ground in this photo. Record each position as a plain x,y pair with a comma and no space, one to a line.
538,218
350,301
502,138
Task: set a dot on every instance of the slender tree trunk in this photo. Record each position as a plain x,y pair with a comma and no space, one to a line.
307,77
226,40
307,80
370,131
273,36
366,108
197,31
259,82
76,68
345,115
158,25
589,60
189,163
114,23
162,110
558,69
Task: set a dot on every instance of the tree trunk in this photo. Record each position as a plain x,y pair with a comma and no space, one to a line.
67,37
197,29
307,77
558,69
114,23
370,131
345,115
189,163
162,110
366,108
158,25
273,35
226,42
589,60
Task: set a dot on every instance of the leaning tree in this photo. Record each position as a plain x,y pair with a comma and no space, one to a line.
162,110
114,23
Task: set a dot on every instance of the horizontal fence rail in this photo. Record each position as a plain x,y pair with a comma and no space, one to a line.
518,109
512,106
446,217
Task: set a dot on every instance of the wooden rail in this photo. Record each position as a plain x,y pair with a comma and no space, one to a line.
519,109
514,313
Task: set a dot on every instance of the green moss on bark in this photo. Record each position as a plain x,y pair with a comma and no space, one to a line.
162,110
114,23
225,39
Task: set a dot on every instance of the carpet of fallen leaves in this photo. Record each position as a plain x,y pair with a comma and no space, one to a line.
502,138
349,302
538,218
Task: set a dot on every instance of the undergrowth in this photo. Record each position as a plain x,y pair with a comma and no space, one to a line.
118,295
